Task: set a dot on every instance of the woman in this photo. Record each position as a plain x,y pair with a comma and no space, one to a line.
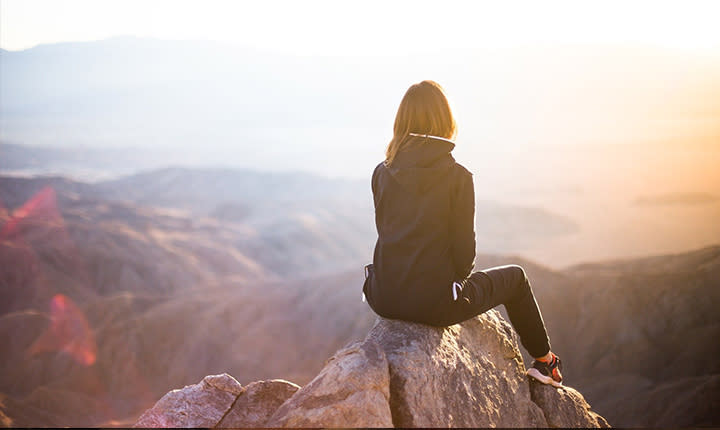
424,256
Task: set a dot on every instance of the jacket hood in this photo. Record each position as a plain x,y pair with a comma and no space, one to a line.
423,162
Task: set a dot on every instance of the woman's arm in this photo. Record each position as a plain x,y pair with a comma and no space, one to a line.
462,226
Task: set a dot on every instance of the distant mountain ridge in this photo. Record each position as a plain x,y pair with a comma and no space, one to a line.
208,102
296,210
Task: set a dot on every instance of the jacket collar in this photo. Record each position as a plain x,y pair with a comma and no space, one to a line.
422,163
430,136
422,150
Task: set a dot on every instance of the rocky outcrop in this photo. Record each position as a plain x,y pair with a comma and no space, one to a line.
575,411
465,375
403,375
200,405
219,401
352,390
257,402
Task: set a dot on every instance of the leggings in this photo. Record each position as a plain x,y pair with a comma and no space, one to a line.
509,286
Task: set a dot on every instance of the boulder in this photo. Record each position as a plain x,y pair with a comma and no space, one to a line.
564,407
352,390
200,405
465,375
257,402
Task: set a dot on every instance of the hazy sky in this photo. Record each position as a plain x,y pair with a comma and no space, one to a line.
366,27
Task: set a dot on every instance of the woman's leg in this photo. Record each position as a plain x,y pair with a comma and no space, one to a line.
509,286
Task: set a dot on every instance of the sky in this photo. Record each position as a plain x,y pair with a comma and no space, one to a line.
509,98
316,27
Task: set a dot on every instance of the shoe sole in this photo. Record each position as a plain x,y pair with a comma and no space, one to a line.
542,378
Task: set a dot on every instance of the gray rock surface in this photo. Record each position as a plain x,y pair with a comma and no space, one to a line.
403,375
201,405
352,390
465,375
564,407
257,402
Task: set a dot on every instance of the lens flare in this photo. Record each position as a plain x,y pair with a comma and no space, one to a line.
40,208
38,223
68,332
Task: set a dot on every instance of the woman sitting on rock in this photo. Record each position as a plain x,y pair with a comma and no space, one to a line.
425,252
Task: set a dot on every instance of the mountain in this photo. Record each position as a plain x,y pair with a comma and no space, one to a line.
291,222
69,242
643,330
106,304
147,344
97,297
284,232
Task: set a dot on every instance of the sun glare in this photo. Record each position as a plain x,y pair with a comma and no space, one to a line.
371,28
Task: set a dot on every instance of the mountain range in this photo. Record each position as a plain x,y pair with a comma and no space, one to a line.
115,292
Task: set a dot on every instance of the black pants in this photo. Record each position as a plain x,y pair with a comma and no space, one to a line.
509,286
481,291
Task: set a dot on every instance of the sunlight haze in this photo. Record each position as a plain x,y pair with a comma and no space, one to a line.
366,28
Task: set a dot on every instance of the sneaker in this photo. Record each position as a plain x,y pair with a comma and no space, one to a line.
547,373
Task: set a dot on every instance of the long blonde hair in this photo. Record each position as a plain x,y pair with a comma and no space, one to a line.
423,110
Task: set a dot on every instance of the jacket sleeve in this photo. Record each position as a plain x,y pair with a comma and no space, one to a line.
462,226
374,183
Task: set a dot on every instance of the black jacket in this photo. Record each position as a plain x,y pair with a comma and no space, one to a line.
424,213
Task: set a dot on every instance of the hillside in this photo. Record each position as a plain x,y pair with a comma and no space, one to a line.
150,285
108,304
147,344
651,359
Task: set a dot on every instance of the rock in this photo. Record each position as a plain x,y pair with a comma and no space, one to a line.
257,402
465,375
402,375
564,407
352,390
200,405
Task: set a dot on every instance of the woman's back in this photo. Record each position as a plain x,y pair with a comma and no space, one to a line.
423,212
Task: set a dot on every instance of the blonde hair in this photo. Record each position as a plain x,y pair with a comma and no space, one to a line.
423,110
